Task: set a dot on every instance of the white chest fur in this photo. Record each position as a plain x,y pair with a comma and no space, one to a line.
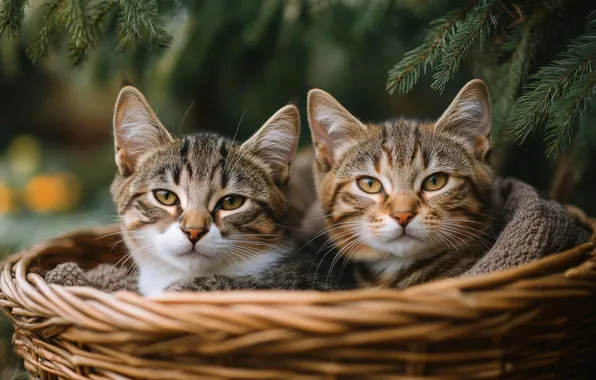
390,267
156,275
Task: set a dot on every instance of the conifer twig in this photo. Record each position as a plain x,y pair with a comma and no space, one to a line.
474,27
140,25
507,78
566,114
50,28
404,75
12,14
551,83
78,24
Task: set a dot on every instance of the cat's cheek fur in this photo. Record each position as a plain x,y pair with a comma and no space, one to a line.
404,248
167,257
392,231
156,254
390,239
172,256
170,244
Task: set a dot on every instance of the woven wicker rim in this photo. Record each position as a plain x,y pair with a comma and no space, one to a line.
423,314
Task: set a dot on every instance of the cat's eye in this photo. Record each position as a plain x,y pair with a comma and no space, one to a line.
369,185
166,197
231,202
434,182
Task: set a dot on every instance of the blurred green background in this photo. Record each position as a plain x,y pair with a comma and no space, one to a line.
230,63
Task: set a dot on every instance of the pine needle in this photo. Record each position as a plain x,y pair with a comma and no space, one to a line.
405,74
12,14
506,79
49,32
140,25
78,24
566,114
476,26
551,83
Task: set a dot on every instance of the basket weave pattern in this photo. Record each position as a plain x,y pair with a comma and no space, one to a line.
534,322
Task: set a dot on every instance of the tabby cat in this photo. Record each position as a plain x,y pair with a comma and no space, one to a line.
201,205
408,201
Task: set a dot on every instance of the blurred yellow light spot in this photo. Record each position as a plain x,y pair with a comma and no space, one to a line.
52,192
24,155
7,201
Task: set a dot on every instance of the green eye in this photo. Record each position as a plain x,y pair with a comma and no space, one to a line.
166,197
369,185
434,182
231,202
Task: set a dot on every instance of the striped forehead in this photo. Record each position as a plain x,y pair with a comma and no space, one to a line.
419,144
193,164
401,143
400,150
201,163
388,149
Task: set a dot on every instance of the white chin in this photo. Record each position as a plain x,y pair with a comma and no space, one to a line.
405,247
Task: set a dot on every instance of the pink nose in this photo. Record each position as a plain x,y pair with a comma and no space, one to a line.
195,234
403,218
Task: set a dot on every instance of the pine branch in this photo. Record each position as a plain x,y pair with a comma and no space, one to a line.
78,24
550,84
506,79
476,26
405,74
141,25
12,14
566,114
50,29
100,10
87,31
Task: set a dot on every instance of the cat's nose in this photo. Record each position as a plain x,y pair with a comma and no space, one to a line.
403,217
194,234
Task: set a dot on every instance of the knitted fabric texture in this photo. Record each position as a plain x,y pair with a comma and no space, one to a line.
531,228
105,277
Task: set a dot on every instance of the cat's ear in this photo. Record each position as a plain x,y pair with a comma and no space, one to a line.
333,128
469,116
136,129
276,141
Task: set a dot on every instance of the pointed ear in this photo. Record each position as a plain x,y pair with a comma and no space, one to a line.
276,141
469,116
333,128
136,129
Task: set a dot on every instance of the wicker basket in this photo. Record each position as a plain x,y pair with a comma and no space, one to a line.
534,322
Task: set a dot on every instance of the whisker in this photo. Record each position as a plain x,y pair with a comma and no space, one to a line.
234,139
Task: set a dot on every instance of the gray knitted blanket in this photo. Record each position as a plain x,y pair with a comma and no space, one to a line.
532,228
